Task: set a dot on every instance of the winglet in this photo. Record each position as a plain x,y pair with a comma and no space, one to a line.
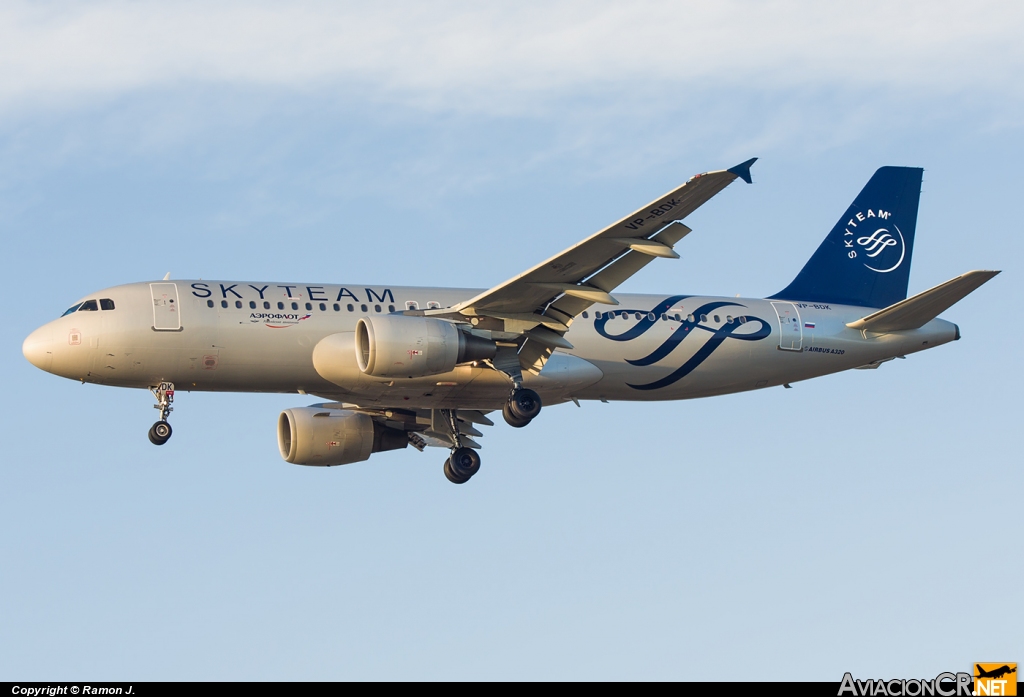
742,170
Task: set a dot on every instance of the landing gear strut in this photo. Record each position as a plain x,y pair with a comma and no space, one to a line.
464,462
521,408
161,431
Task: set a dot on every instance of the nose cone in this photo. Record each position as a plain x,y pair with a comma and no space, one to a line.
38,348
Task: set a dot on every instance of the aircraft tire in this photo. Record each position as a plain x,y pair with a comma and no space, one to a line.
524,403
452,477
160,433
513,420
464,462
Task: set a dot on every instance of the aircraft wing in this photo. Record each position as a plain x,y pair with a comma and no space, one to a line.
541,303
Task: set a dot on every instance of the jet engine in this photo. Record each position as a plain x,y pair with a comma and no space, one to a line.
402,346
326,437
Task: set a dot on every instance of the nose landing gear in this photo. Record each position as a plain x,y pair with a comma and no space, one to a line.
161,431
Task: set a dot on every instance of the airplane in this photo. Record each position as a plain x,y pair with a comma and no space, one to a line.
417,366
994,673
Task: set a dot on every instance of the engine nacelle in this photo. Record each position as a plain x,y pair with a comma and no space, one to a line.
326,437
403,346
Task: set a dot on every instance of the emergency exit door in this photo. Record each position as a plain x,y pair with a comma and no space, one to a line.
791,332
166,315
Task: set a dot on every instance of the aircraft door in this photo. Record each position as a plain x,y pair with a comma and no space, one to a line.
791,331
166,316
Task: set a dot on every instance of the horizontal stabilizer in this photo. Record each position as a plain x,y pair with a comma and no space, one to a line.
921,309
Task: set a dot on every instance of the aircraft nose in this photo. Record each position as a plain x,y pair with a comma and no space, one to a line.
38,348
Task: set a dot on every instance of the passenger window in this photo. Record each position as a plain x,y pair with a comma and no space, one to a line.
703,318
362,308
349,307
743,320
323,307
88,306
252,304
728,319
376,308
106,304
209,303
411,305
625,315
391,308
71,309
651,316
266,305
337,307
679,318
585,316
717,320
280,306
597,315
309,306
664,317
223,303
238,304
295,306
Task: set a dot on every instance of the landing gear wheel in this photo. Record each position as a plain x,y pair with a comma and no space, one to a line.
160,433
464,462
524,403
513,420
452,477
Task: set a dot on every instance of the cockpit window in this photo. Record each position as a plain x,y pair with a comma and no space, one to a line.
106,304
71,309
89,306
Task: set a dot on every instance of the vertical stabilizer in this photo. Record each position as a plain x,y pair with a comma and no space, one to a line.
865,260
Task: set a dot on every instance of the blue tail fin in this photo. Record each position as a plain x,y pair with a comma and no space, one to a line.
865,260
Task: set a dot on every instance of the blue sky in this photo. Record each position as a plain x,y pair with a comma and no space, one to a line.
861,522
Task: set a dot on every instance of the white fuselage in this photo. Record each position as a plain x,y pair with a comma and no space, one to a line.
260,337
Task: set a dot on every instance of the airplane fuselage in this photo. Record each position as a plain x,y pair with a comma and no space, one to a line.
262,337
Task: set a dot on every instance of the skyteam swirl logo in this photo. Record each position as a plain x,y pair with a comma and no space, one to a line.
884,248
882,243
740,331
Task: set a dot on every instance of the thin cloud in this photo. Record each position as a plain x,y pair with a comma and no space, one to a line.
506,58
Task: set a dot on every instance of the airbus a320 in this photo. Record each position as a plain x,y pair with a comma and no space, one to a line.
403,366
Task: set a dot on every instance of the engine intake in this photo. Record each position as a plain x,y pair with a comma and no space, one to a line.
395,346
327,437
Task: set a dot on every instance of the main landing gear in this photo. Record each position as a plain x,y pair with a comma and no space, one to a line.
521,408
462,465
161,431
464,462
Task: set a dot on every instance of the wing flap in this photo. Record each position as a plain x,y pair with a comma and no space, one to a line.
922,308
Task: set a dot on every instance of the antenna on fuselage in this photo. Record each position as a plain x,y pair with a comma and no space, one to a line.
167,276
